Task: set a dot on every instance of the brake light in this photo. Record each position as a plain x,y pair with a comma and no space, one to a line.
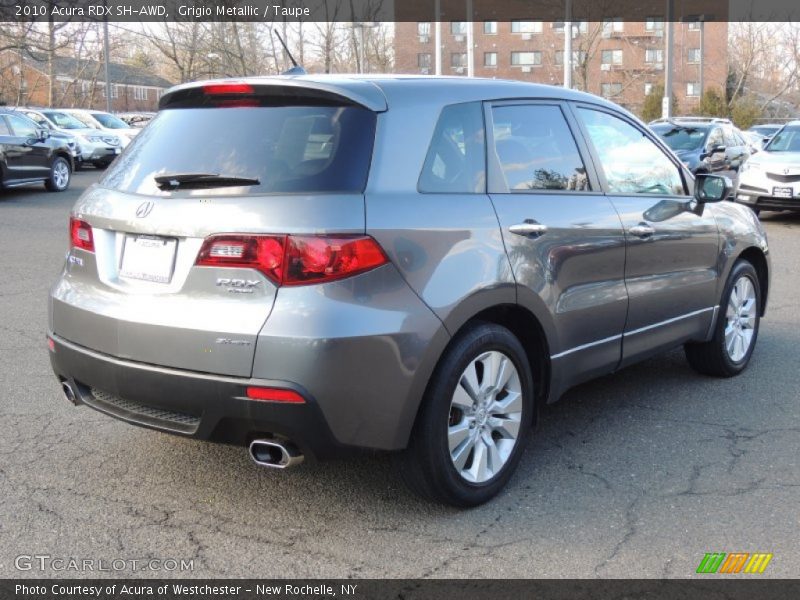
274,395
80,233
224,89
292,259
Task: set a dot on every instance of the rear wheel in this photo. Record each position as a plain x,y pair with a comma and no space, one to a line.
736,330
59,175
474,421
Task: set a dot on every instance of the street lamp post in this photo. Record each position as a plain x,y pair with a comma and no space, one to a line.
568,45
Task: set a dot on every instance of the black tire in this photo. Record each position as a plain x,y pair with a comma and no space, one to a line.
713,357
426,465
60,175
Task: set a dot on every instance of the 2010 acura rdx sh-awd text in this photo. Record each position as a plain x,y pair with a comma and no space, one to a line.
305,264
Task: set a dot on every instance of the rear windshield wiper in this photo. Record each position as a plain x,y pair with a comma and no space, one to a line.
173,181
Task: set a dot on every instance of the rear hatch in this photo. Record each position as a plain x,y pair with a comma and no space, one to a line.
164,267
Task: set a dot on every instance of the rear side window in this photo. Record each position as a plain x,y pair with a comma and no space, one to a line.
288,149
536,149
4,130
456,160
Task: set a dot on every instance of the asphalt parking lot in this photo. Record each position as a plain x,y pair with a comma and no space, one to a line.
634,475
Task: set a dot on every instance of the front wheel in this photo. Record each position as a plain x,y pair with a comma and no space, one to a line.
474,420
736,330
59,175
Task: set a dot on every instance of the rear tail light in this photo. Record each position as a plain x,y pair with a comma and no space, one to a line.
292,259
80,233
266,394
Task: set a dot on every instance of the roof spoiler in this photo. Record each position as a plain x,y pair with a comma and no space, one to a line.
350,91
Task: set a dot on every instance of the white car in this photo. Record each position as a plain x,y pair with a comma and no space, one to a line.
106,122
770,180
94,147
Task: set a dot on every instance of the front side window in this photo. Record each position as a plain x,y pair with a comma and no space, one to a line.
456,159
22,126
631,162
536,150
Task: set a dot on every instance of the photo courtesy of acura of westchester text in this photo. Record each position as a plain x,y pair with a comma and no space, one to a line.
425,299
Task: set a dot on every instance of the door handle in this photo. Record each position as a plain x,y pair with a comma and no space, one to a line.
528,229
641,230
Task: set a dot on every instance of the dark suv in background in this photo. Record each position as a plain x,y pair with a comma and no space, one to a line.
704,145
30,154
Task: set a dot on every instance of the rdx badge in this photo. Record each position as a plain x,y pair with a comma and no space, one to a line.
238,286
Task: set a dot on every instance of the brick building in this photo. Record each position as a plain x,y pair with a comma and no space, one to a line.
620,60
24,81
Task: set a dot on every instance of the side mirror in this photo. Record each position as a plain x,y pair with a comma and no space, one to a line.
711,188
42,134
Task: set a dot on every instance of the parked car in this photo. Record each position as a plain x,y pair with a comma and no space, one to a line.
93,146
764,132
105,122
137,120
771,179
29,154
704,145
326,277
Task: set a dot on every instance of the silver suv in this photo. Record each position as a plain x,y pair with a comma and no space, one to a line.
304,265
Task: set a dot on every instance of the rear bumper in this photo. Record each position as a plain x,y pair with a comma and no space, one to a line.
191,404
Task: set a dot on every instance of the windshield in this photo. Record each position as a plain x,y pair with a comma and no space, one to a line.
787,140
286,149
681,138
63,120
109,121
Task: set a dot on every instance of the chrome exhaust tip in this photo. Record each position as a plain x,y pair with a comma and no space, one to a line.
69,392
275,454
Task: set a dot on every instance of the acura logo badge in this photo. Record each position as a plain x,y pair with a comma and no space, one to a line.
786,171
145,208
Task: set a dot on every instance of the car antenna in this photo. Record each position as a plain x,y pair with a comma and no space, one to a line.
296,69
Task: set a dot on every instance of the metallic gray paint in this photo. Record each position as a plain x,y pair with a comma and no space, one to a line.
365,347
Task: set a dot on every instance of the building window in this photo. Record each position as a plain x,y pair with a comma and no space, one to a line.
694,55
424,28
578,57
458,27
458,59
692,88
526,27
654,24
654,55
648,89
609,90
558,26
558,58
613,25
526,59
114,90
694,25
139,92
490,59
424,61
490,27
581,26
611,57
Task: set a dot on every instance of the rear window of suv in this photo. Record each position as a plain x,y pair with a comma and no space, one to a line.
288,149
